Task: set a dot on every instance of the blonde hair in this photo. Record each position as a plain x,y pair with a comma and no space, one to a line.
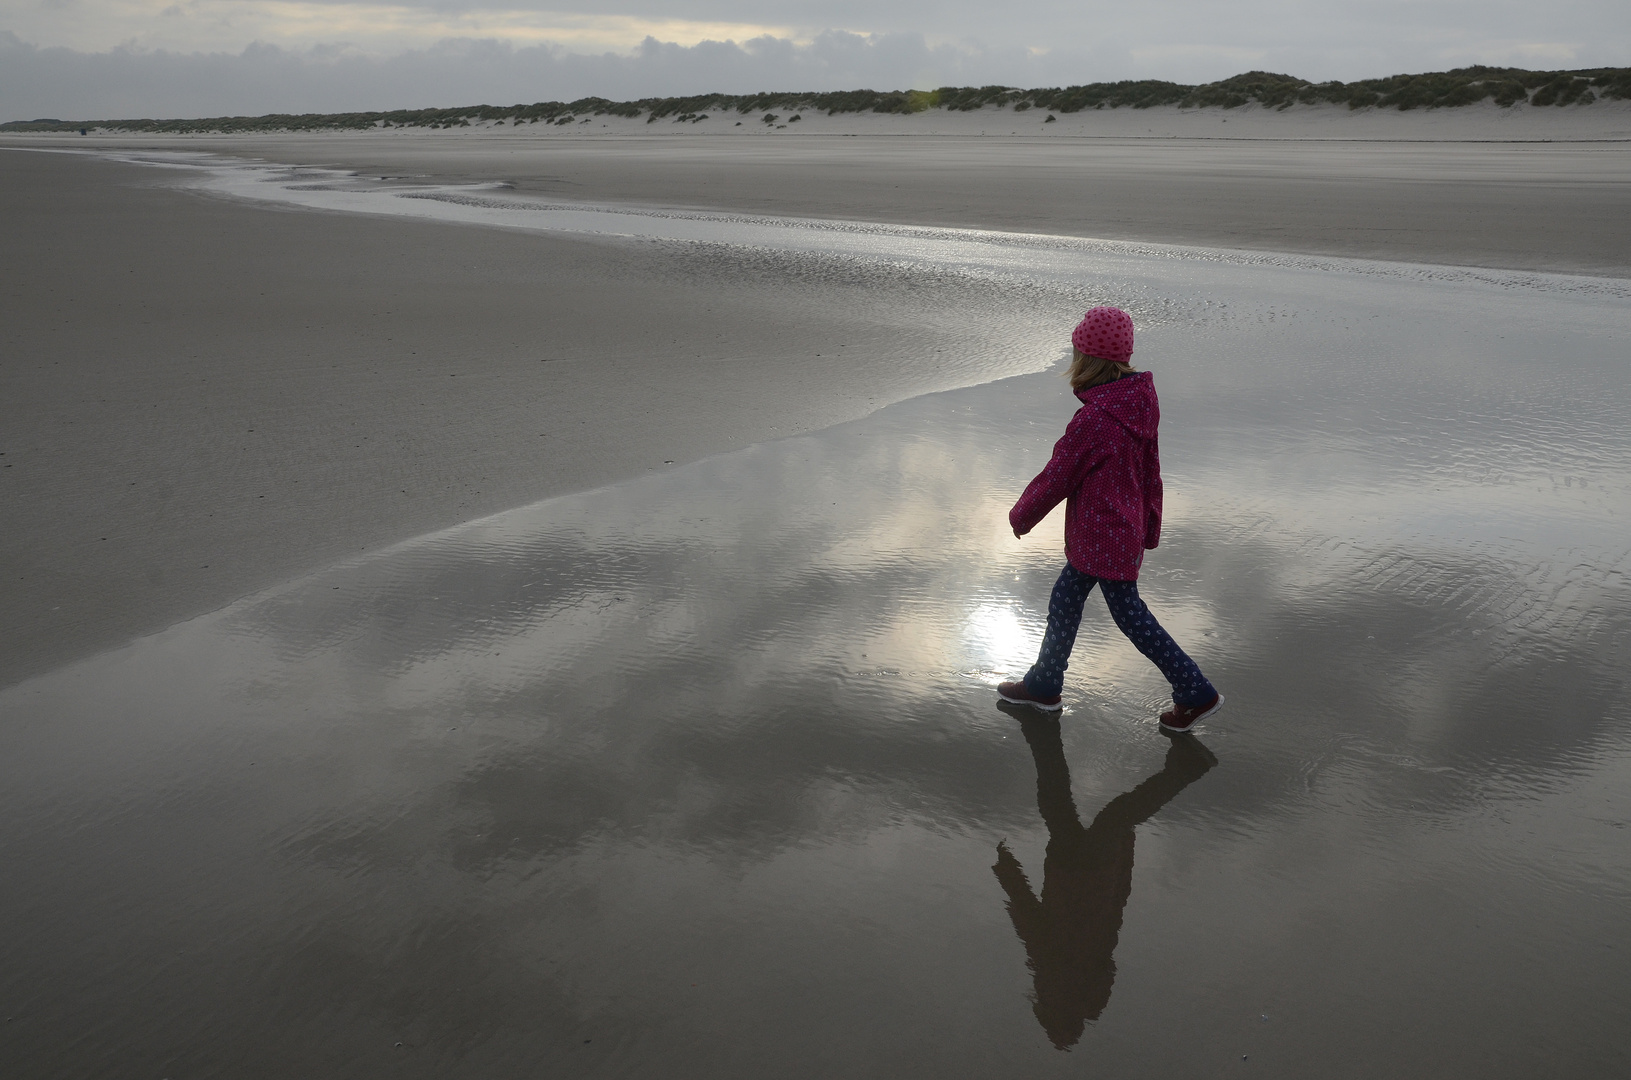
1088,370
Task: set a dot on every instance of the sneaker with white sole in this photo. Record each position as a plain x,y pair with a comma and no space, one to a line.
1185,717
1015,694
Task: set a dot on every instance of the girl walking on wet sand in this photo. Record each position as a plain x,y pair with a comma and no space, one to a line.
1107,470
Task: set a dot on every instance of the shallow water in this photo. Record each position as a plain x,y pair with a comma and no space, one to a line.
702,774
1040,260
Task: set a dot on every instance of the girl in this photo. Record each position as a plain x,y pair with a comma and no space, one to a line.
1108,471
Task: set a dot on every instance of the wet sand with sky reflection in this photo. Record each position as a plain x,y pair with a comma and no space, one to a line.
700,773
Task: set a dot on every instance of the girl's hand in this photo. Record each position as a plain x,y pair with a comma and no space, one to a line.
1018,535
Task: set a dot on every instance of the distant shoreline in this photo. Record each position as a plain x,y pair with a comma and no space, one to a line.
1457,89
1605,121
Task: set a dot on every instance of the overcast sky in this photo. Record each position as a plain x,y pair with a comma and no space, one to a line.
96,59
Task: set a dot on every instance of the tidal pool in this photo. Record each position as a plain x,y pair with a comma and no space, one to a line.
702,774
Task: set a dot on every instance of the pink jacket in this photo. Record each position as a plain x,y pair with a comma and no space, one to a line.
1108,469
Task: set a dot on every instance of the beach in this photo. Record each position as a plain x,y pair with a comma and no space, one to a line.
485,606
1523,188
233,419
294,342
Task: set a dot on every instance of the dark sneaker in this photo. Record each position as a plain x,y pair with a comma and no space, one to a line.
1015,694
1185,717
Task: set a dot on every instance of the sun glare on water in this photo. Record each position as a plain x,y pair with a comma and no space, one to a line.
996,638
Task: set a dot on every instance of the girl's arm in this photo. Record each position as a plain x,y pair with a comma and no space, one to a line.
1074,455
1153,491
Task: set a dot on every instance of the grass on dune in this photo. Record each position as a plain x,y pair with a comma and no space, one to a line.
1434,90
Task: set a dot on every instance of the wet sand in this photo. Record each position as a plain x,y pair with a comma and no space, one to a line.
695,769
202,398
256,392
1463,196
701,774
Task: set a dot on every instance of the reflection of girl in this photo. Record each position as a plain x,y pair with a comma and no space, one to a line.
1070,929
1108,471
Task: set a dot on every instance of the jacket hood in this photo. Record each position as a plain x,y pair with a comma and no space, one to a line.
1130,401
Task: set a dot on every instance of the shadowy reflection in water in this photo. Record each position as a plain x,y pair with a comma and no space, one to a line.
1070,930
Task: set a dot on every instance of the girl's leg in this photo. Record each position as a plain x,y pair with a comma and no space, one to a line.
1189,686
1047,676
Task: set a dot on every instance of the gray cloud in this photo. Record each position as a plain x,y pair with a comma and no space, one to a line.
972,44
126,83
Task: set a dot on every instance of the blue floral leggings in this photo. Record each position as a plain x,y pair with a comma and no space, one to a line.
1047,676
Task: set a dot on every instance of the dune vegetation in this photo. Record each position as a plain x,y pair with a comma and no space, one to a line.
1434,90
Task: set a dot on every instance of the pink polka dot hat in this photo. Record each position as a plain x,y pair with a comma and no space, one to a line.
1105,332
